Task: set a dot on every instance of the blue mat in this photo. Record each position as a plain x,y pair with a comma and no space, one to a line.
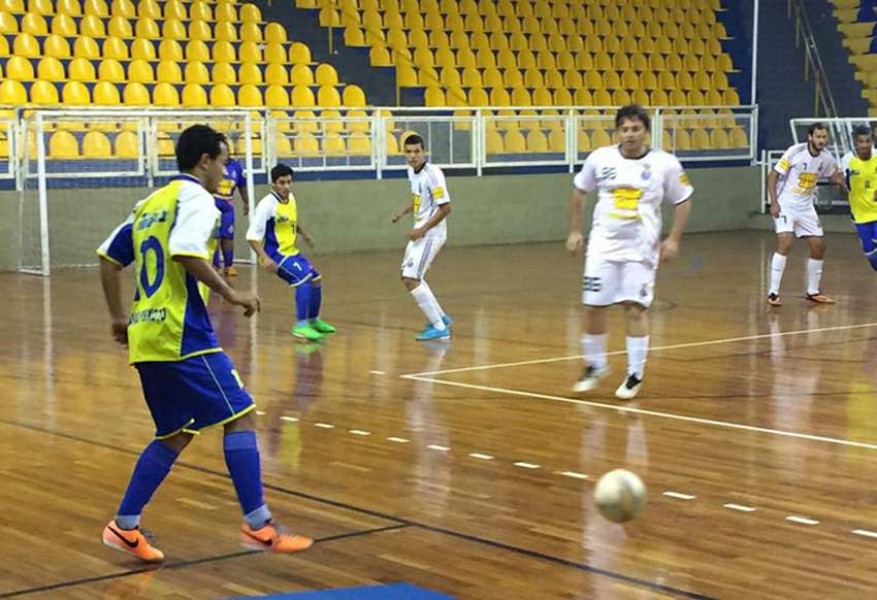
399,591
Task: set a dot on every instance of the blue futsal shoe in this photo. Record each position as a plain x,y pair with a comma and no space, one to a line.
431,333
448,321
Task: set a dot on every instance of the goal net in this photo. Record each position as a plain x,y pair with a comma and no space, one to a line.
82,171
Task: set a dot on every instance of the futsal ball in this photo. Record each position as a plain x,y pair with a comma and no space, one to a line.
620,495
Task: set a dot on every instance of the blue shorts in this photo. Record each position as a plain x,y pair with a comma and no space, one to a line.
295,270
868,236
192,394
226,219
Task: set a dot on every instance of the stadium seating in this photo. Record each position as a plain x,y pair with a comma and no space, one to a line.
858,25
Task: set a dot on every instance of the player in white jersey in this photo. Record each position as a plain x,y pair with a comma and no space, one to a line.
624,247
792,188
431,204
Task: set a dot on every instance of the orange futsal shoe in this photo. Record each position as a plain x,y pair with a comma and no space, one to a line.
231,272
819,299
273,538
131,541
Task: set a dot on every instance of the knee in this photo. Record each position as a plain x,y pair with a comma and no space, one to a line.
178,442
410,283
245,423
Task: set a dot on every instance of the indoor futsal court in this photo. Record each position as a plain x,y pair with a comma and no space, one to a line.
466,468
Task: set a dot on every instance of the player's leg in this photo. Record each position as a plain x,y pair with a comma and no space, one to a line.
868,236
785,226
446,319
809,227
636,294
598,293
316,304
297,272
418,256
163,389
434,249
219,398
226,239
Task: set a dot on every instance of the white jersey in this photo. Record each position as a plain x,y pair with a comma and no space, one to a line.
429,191
627,217
799,171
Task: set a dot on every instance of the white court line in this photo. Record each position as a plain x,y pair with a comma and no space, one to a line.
480,456
802,520
398,440
865,532
650,413
324,425
573,474
679,495
438,448
526,465
377,372
739,507
290,419
359,432
653,349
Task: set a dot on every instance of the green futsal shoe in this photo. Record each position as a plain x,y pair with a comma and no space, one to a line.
321,326
306,332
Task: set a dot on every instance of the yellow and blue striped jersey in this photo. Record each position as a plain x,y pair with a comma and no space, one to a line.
275,226
862,182
169,320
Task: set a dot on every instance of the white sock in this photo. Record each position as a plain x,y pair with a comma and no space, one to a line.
814,276
434,299
426,302
637,351
594,349
777,266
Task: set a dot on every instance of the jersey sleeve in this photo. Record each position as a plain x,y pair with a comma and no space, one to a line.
194,226
259,221
677,187
784,164
586,179
438,186
118,248
240,179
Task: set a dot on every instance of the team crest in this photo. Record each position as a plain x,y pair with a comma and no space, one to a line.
647,172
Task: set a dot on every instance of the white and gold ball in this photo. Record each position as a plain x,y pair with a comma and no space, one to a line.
620,495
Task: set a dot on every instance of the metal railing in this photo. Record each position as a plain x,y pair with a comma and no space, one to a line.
823,102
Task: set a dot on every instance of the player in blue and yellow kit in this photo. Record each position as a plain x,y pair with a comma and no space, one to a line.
232,180
273,235
861,176
188,381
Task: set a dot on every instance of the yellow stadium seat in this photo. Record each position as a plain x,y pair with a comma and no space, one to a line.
201,11
250,96
329,18
194,95
12,92
110,70
106,94
719,139
98,8
200,30
537,141
96,145
71,8
678,98
275,33
50,69
224,73
226,12
648,81
354,35
302,75
169,71
26,45
224,31
136,94
276,96
250,32
221,96
63,145
305,144
174,9
8,24
333,144
450,77
738,138
731,97
170,50
40,7
275,54
140,71
250,13
513,78
353,95
556,140
250,74
275,74
326,75
142,50
34,24
602,98
379,56
86,48
19,69
700,140
562,97
127,145
434,96
303,96
56,46
197,51
81,69
304,120
583,97
113,47
224,52
494,142
147,28
328,96
149,9
250,52
63,25
44,92
573,79
118,27
521,97
640,96
720,81
478,97
515,142
164,94
331,120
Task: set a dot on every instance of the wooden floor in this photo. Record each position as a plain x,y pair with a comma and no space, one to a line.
756,433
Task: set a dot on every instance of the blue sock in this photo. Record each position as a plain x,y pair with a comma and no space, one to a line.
242,459
152,467
228,256
316,301
872,258
216,258
303,301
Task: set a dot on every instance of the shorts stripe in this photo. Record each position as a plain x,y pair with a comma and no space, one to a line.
424,259
219,387
293,275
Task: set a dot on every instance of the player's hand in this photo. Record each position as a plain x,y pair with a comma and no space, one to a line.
119,329
308,240
249,301
669,250
416,233
774,210
395,218
269,264
575,242
246,209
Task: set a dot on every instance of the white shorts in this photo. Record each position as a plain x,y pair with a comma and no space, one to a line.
803,222
612,282
419,255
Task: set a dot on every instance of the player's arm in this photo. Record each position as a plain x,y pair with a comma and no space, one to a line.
116,253
781,168
584,182
245,193
405,210
838,179
443,211
305,236
678,190
256,233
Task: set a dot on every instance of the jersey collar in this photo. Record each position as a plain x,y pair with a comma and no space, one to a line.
645,154
279,199
187,177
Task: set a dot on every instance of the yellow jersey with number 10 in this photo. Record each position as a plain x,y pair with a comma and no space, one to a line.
169,320
862,180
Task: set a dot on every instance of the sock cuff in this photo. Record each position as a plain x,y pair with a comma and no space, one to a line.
240,440
813,261
160,453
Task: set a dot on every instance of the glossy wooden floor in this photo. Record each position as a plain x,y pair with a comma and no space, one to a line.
476,480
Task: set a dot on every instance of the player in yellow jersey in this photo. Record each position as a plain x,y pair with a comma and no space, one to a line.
273,236
861,176
188,381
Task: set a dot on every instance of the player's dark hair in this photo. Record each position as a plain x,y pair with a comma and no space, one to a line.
195,142
280,170
414,140
817,126
632,111
862,130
